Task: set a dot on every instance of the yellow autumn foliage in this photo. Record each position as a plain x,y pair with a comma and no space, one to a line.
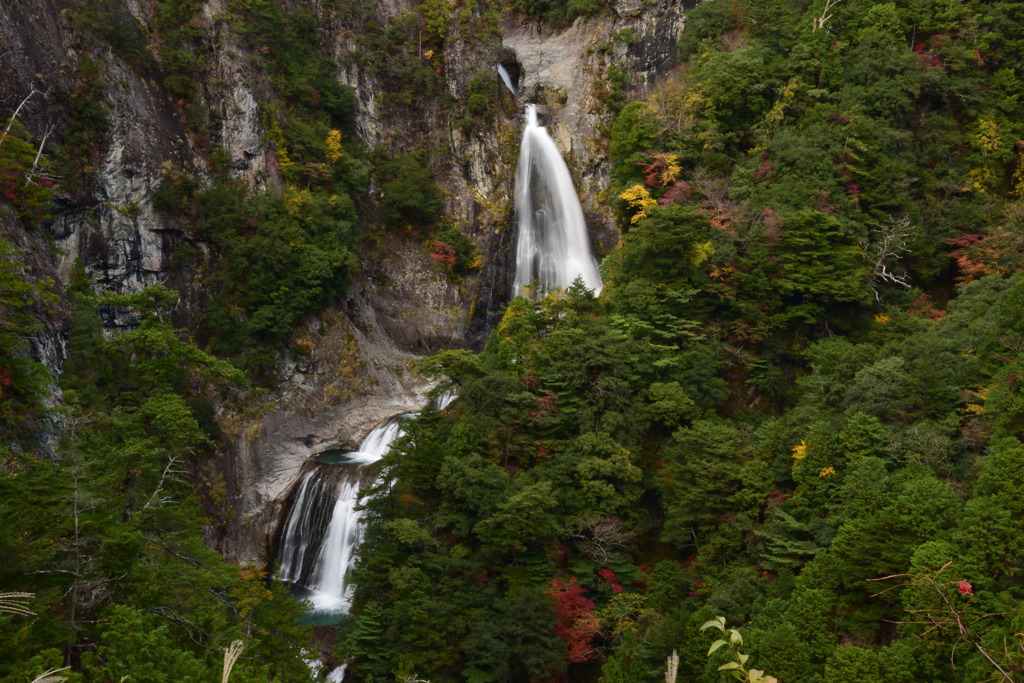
639,201
332,146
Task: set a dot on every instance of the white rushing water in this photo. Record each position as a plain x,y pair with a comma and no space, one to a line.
553,248
506,78
304,529
320,536
376,444
444,399
338,552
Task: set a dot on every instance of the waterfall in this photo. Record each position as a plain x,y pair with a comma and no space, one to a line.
373,447
305,528
319,537
553,247
444,399
338,551
506,78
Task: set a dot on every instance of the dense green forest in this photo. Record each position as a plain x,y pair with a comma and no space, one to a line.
794,404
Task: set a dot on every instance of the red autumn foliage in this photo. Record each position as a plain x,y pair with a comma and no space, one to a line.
723,222
965,245
315,173
444,253
922,306
652,173
678,191
823,202
836,117
930,59
5,378
547,403
576,624
609,576
542,453
9,188
775,496
764,172
977,255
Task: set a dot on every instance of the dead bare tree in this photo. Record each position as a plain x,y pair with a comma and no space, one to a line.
37,174
14,116
158,497
886,244
819,22
601,538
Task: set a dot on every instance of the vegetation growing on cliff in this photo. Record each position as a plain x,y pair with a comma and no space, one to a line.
803,373
799,377
106,530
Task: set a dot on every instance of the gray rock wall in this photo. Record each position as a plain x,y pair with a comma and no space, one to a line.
357,364
562,70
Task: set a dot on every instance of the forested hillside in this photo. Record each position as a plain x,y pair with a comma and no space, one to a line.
181,196
795,404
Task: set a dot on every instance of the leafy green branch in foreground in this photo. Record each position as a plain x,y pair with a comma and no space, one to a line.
737,664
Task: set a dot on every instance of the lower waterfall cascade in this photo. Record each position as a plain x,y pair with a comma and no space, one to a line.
321,532
553,247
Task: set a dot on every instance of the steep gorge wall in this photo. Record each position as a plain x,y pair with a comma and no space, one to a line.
568,72
358,359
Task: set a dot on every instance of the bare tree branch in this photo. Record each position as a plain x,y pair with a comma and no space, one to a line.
949,617
185,625
888,243
36,172
14,116
819,22
156,500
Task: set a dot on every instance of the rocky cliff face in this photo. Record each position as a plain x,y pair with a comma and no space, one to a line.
569,72
353,365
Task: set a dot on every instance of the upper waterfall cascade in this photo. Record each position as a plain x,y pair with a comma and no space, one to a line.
553,248
506,78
